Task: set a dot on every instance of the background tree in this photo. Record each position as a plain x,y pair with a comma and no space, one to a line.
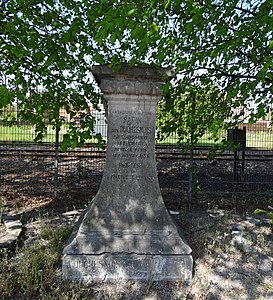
53,45
193,110
228,41
190,112
43,68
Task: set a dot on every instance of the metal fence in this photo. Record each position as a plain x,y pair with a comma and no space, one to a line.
29,169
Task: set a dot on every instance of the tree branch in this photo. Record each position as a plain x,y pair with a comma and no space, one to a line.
236,76
244,10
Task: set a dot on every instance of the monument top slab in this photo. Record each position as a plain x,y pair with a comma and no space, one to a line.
126,72
139,82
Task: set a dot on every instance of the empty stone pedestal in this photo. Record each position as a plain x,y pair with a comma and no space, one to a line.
127,233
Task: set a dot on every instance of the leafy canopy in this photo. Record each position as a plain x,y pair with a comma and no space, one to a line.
191,111
53,45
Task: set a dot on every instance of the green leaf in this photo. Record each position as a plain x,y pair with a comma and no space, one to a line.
270,46
189,28
167,4
6,96
131,12
37,57
113,38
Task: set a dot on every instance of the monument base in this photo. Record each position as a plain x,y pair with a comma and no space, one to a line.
111,267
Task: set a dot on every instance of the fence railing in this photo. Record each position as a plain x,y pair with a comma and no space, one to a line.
41,169
258,135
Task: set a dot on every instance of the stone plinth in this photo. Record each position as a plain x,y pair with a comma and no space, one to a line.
127,233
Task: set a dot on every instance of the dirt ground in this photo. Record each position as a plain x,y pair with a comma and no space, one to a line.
232,246
232,251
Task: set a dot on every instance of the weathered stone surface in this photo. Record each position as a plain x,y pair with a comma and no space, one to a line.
117,266
13,229
12,224
127,219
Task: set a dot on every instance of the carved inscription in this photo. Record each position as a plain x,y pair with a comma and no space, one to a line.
89,265
122,177
143,268
131,133
138,274
109,265
135,129
130,137
93,267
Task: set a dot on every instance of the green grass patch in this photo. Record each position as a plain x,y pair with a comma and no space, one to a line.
261,139
33,271
14,133
204,141
26,133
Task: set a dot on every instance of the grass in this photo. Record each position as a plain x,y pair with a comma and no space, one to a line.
204,141
31,272
14,133
26,133
259,139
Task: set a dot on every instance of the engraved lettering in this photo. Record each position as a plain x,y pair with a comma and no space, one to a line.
129,165
138,274
123,177
130,112
110,265
135,129
131,120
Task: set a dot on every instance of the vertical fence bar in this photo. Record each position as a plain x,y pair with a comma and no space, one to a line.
56,159
243,146
191,170
235,175
191,175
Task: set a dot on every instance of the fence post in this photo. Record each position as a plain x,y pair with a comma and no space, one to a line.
238,136
235,167
56,159
192,167
191,175
243,145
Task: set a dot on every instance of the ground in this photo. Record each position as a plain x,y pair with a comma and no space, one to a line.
232,246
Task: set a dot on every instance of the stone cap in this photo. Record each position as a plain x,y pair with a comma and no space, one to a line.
127,72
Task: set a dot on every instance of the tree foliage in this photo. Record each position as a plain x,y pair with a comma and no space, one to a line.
191,111
43,68
53,45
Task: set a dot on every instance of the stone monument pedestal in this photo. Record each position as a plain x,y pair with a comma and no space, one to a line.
127,233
